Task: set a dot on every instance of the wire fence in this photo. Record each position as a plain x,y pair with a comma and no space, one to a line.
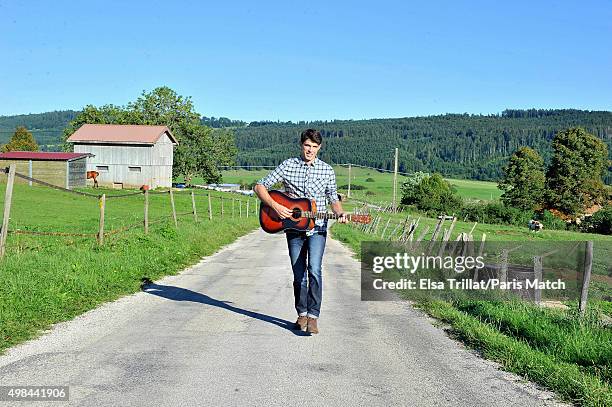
438,242
156,207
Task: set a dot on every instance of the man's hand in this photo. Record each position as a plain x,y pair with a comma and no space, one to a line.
282,211
337,209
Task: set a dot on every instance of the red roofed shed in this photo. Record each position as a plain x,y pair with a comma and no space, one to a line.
64,169
127,155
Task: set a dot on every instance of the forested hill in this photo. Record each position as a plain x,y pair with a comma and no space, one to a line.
46,127
457,145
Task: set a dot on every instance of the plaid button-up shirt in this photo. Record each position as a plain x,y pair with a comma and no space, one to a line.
316,181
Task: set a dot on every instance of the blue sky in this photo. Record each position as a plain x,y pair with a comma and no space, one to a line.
308,60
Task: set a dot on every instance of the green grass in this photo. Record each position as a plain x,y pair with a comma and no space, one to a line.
473,190
381,189
568,380
555,348
47,279
378,191
586,342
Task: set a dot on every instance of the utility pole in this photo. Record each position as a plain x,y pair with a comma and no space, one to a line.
395,183
348,194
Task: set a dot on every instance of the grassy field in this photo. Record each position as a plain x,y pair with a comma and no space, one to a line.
378,185
47,279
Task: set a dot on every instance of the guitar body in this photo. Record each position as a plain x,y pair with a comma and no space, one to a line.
271,223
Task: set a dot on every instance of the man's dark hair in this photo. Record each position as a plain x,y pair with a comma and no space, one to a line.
312,135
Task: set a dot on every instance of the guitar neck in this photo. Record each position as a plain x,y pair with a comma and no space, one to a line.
323,215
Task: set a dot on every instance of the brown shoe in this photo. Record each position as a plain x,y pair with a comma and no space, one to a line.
301,323
312,326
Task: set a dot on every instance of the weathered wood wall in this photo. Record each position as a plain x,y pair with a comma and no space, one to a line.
150,164
53,172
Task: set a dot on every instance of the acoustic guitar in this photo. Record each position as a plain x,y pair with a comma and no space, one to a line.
304,214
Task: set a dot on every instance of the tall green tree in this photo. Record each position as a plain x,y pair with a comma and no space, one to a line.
22,140
106,114
164,106
203,151
523,181
574,177
200,149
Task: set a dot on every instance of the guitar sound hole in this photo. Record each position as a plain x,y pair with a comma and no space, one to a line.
296,213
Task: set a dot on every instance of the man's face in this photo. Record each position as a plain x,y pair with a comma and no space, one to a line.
310,149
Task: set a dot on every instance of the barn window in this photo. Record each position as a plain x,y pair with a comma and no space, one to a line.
134,169
102,167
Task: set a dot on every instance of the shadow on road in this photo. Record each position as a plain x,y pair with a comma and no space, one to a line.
183,294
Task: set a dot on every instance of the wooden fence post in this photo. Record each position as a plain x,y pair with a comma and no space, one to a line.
376,228
434,236
382,236
209,207
8,197
222,207
422,235
480,251
102,204
503,271
537,275
247,207
394,231
146,212
482,244
173,209
446,237
586,276
193,206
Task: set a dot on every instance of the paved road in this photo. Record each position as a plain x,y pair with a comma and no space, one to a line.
220,334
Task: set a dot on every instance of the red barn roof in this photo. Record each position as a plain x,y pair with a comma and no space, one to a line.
45,156
119,133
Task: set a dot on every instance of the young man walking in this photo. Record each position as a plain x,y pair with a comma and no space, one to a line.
305,177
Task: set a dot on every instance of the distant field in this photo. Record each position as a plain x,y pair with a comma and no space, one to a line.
380,188
470,189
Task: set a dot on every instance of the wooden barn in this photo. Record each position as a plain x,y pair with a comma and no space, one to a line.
127,156
67,170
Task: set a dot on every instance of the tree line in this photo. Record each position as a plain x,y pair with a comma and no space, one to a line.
569,189
455,145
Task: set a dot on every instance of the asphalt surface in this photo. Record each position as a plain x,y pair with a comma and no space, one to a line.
220,334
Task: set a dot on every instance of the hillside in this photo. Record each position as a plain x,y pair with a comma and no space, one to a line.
46,127
457,145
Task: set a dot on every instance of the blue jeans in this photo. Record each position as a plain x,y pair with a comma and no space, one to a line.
307,287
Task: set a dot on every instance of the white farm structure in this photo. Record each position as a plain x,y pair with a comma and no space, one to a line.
127,156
